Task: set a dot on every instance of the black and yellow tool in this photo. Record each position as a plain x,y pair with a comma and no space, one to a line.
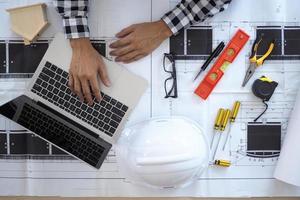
255,62
264,88
222,127
222,163
225,119
217,124
234,113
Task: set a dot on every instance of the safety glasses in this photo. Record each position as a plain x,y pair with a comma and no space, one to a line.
170,83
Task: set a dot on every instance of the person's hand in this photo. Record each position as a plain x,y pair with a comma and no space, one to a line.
139,40
86,66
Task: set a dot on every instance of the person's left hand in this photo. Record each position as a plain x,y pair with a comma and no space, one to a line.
139,40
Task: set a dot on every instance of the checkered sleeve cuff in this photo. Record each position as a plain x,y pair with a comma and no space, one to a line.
76,27
176,19
190,12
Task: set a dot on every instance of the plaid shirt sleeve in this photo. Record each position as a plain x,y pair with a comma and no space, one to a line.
74,15
190,12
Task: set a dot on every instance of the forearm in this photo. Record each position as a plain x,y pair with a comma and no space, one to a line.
75,17
190,12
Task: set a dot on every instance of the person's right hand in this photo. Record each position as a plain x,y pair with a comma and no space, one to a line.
86,66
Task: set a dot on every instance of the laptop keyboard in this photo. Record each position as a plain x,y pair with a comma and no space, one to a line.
52,85
62,135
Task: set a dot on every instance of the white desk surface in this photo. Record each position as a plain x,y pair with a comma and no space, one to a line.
245,178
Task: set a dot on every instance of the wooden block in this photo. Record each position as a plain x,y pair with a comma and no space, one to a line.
28,21
26,42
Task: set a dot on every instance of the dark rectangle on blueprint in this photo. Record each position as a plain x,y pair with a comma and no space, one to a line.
3,140
27,143
292,42
26,58
199,41
263,137
100,46
177,43
267,36
2,57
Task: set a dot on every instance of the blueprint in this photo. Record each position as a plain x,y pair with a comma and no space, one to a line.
36,167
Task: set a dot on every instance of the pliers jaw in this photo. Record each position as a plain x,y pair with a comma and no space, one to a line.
256,62
250,71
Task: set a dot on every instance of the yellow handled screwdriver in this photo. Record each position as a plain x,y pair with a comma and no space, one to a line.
217,124
225,119
234,113
222,163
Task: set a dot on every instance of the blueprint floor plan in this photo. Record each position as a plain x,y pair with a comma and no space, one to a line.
31,166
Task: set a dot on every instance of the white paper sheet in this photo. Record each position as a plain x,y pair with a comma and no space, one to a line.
247,177
288,165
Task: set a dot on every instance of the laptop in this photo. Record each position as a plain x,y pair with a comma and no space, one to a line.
49,109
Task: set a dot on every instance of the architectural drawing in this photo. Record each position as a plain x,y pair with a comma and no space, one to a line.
28,160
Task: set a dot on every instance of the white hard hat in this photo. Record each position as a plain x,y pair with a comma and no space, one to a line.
163,152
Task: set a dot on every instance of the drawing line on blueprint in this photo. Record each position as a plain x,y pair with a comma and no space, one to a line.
192,55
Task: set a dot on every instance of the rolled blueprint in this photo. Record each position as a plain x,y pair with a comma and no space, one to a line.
288,166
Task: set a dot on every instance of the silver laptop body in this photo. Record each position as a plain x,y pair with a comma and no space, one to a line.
126,87
51,111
